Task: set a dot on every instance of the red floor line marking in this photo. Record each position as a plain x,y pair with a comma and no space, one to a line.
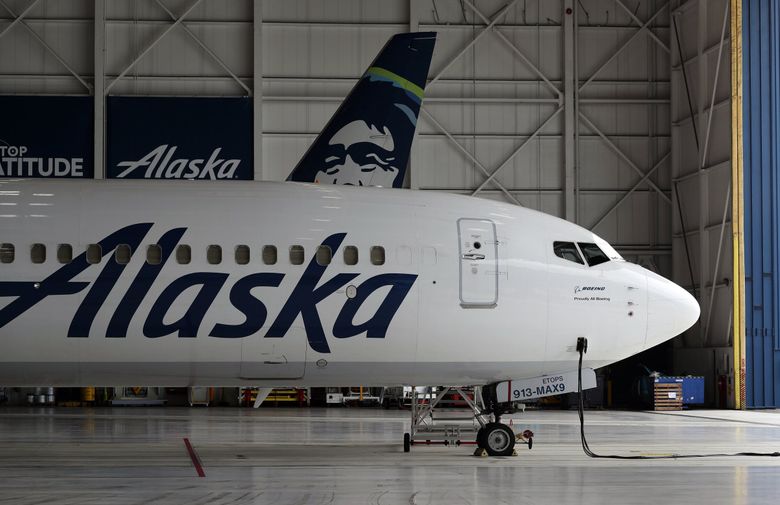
194,457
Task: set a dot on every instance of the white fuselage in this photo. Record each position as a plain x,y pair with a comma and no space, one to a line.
439,310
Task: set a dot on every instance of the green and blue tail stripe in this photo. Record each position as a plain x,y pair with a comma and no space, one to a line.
414,91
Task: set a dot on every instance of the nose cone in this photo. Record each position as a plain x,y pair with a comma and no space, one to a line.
671,310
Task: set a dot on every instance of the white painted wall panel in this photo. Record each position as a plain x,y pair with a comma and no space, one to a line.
703,184
338,11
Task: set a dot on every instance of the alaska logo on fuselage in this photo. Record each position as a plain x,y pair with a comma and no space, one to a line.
303,299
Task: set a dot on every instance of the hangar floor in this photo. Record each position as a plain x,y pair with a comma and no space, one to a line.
135,455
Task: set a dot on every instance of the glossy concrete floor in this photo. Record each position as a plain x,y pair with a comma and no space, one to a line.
354,456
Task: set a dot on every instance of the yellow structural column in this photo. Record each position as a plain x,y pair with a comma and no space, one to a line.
737,205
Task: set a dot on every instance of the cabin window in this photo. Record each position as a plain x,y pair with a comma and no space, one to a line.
593,254
403,255
242,254
64,253
377,255
296,255
38,253
154,254
94,254
122,254
7,252
324,255
350,255
567,251
269,254
214,254
183,254
429,256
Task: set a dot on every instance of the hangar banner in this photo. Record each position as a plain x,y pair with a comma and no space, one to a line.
179,138
46,136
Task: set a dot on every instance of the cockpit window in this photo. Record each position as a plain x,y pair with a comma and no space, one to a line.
567,251
593,255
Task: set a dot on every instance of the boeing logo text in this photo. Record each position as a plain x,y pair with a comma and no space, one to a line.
579,289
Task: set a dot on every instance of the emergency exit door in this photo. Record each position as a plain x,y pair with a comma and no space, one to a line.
478,252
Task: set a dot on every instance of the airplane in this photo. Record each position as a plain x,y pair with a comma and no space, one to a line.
228,283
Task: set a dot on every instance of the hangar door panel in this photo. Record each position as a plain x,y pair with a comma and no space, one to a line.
478,257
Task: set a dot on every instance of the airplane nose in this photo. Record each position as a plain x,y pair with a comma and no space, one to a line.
671,310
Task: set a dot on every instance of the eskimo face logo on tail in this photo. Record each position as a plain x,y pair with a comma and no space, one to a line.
368,140
369,145
310,290
160,163
360,154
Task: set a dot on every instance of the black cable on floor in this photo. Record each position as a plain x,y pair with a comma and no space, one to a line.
582,348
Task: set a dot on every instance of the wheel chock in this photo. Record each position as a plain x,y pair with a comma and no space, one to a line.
480,452
514,452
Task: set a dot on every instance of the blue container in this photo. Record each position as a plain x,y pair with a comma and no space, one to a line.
692,388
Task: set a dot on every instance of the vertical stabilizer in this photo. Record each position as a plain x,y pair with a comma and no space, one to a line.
368,140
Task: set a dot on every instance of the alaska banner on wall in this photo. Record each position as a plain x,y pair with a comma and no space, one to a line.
46,136
179,138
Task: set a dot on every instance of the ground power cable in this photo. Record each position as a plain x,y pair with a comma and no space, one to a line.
582,348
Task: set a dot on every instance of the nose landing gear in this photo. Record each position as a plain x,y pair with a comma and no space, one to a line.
496,439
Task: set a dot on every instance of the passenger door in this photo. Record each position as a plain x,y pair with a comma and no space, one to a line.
478,258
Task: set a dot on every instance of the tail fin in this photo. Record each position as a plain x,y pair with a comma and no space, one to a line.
368,139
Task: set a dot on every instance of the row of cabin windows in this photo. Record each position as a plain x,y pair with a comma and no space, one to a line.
154,254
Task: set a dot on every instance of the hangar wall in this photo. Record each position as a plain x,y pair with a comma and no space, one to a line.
701,184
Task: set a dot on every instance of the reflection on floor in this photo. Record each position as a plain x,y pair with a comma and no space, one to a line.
301,456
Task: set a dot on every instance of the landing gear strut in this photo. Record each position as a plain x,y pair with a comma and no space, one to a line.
491,403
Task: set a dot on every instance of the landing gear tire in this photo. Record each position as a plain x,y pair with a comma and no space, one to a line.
481,438
498,439
407,442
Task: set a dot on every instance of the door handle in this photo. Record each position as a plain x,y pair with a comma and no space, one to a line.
473,256
275,360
